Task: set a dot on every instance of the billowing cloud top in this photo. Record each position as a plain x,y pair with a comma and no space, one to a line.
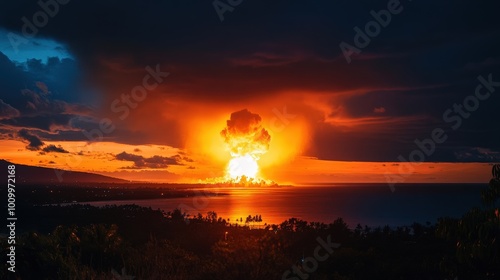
244,134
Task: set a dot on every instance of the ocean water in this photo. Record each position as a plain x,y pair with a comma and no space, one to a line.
366,204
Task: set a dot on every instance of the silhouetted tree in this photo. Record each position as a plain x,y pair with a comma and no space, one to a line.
477,234
492,194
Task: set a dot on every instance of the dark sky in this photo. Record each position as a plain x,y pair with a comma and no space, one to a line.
395,90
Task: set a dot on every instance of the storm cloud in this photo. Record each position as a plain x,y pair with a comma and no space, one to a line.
154,162
55,149
34,142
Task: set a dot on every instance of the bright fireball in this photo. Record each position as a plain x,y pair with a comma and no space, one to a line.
242,166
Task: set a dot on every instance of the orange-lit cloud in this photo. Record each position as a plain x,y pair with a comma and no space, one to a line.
244,134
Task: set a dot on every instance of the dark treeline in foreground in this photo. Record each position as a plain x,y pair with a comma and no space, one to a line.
121,242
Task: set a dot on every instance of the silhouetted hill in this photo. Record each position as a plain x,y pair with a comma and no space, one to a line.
33,174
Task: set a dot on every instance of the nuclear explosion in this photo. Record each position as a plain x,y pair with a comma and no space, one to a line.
246,140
